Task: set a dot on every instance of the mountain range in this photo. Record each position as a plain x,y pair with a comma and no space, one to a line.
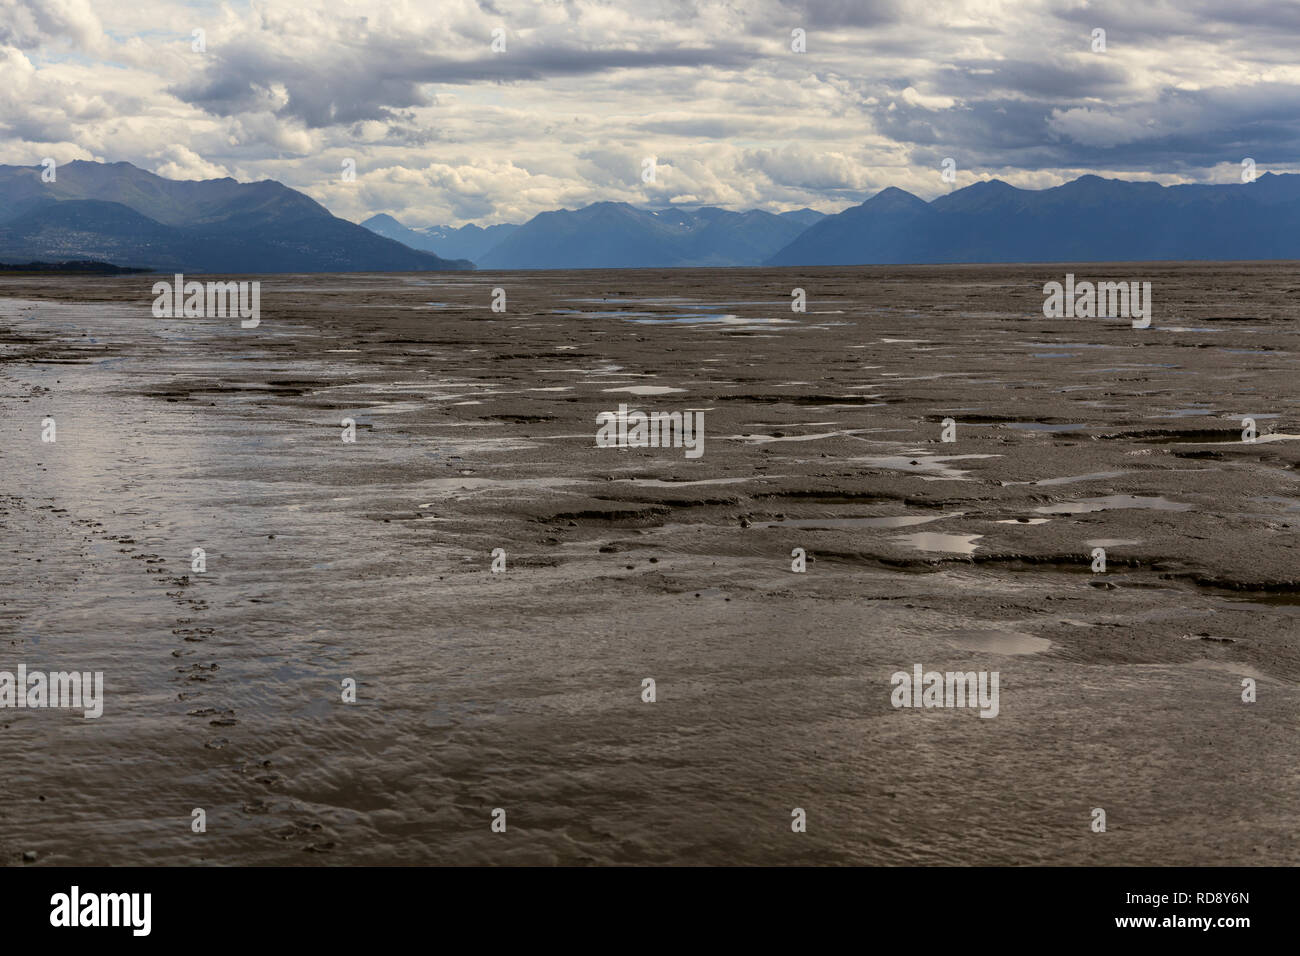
466,242
1090,219
613,235
126,216
1087,220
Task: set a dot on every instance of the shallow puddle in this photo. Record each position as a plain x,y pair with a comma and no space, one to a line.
1186,413
1041,427
706,319
662,483
1071,479
937,541
894,521
1113,503
998,642
645,389
928,466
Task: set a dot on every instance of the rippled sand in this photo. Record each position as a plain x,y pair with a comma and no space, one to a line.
522,690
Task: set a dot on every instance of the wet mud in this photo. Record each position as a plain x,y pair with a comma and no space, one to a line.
475,431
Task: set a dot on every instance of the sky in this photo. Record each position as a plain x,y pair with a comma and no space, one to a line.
487,111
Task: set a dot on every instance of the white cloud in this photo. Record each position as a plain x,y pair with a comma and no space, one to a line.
443,130
179,162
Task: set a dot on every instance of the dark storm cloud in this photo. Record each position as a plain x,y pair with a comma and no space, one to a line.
1152,24
1189,129
842,13
1053,76
992,130
1181,130
369,83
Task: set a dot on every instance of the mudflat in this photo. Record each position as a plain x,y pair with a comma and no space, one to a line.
523,689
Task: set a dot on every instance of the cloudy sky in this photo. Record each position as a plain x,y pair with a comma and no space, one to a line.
442,128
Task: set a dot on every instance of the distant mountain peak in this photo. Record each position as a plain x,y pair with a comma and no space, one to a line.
124,215
894,194
891,199
614,235
1089,219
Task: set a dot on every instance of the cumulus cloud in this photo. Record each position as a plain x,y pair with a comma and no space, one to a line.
180,162
446,126
32,24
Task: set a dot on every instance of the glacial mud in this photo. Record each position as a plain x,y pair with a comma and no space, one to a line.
372,561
